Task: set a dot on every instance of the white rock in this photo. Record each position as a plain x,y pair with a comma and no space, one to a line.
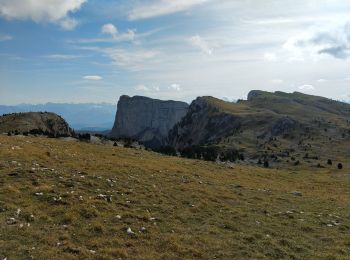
11,221
129,231
143,229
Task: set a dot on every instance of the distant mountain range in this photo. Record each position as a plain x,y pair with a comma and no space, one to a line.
81,117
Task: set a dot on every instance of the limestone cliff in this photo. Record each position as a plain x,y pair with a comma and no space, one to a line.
147,120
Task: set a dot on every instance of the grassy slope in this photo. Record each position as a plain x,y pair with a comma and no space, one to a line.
190,209
261,112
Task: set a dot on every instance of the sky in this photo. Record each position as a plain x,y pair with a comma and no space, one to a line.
96,50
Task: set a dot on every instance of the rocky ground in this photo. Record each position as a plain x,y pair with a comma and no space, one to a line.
75,200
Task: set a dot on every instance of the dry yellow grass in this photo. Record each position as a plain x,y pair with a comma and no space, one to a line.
177,208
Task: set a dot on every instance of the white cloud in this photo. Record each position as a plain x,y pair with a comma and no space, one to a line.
5,38
141,87
277,81
201,44
61,56
175,87
92,77
162,7
269,56
333,41
144,88
131,59
307,87
110,29
347,79
42,11
322,80
68,24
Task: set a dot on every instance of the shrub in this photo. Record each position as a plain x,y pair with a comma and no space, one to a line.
167,150
329,162
340,166
84,137
266,164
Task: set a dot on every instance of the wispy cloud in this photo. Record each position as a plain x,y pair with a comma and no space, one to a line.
175,87
306,87
144,88
141,87
92,77
277,81
162,7
62,56
53,11
5,37
133,59
201,44
111,30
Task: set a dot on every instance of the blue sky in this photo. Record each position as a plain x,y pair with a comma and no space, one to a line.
96,50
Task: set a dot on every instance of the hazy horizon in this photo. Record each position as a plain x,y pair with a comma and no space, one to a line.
89,51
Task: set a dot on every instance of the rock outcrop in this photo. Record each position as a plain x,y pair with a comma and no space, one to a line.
147,120
202,125
265,125
35,123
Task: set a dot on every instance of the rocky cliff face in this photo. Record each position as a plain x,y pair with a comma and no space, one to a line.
147,120
35,122
202,125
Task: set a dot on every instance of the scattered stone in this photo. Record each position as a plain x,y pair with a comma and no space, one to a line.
118,217
39,194
107,198
143,229
11,221
17,213
335,222
297,193
129,231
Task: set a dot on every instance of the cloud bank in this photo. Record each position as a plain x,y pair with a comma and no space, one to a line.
42,11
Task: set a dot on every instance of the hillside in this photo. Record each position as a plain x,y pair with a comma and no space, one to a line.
78,201
35,123
282,128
